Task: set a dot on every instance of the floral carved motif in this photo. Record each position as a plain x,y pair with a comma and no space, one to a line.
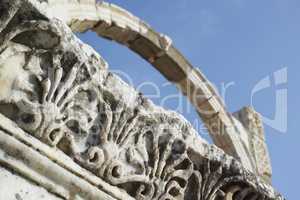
59,90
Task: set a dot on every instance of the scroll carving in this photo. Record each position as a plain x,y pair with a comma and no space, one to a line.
57,90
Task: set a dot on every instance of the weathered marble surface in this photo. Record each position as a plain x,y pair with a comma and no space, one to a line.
254,138
14,187
117,24
60,91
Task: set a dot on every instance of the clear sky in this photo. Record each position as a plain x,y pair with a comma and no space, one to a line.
236,44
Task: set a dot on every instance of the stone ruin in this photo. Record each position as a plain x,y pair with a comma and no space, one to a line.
71,129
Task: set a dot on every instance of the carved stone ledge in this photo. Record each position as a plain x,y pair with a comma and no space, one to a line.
59,90
117,24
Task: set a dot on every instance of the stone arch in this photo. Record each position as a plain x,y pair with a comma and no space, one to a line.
69,105
117,24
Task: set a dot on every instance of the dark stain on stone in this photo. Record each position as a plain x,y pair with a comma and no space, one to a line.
18,197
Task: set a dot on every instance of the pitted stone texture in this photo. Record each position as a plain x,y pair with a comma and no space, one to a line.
70,101
255,140
115,23
15,187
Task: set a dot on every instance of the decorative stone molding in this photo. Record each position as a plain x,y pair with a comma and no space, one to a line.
76,129
115,23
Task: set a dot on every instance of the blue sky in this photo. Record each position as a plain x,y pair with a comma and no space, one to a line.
235,43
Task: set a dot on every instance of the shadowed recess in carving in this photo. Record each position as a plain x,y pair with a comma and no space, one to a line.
63,95
38,39
115,23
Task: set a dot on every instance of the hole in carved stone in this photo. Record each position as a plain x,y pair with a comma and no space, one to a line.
103,117
74,126
185,164
180,181
174,192
133,187
192,188
236,195
149,146
69,59
215,166
95,158
27,118
54,134
46,64
36,91
231,187
117,172
178,147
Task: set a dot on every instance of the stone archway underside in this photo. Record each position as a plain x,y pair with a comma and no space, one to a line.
60,91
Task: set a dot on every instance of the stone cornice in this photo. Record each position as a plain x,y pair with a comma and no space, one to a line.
60,91
117,24
50,167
